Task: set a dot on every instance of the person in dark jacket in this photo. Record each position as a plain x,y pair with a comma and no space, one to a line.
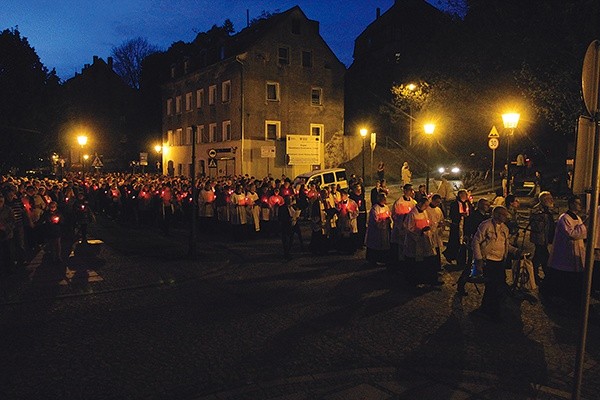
542,226
472,222
460,209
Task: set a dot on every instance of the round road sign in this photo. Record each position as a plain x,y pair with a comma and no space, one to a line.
212,153
493,143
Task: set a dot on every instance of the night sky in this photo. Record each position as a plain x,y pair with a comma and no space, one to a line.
66,34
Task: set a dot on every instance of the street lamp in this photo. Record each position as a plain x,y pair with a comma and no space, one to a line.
428,128
363,133
510,121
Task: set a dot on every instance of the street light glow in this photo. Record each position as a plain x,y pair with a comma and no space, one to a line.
411,86
429,128
511,120
86,157
82,140
158,148
363,132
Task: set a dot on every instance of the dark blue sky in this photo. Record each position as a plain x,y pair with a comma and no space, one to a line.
66,34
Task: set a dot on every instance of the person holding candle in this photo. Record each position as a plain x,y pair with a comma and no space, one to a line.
53,221
377,238
319,226
400,209
419,246
438,223
358,195
347,223
253,207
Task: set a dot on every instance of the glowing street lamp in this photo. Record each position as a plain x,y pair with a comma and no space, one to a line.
429,129
158,148
510,121
82,140
363,133
411,87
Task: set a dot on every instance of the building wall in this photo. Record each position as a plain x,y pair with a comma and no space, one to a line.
249,73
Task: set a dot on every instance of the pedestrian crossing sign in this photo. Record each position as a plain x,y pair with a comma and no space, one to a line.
212,163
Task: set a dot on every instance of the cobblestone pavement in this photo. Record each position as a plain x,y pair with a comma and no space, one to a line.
136,319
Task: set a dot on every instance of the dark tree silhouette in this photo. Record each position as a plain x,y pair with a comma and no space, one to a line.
128,59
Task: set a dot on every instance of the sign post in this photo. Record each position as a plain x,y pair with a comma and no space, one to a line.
590,82
493,144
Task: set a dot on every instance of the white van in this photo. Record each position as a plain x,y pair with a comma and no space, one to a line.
324,177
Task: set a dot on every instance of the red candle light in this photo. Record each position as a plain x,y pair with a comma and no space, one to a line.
55,219
404,208
421,223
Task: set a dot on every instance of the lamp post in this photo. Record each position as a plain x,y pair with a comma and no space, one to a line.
82,140
411,87
510,121
85,158
428,128
363,133
158,148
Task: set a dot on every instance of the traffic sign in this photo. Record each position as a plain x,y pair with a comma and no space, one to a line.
493,143
97,163
212,163
494,133
590,77
212,153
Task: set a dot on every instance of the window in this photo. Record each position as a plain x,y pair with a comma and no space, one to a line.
307,59
188,135
272,91
178,105
169,106
316,129
172,71
188,101
284,55
272,130
178,137
212,133
212,94
170,137
340,176
186,66
226,91
199,98
328,178
316,96
200,134
226,130
296,25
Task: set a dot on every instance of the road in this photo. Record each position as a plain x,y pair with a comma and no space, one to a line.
134,318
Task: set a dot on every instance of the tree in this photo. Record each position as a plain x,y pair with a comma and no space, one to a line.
26,86
128,59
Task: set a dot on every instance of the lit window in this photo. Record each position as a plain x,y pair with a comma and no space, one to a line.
272,91
316,96
178,137
178,105
307,59
199,98
272,130
170,137
188,101
169,106
212,133
226,130
226,91
212,94
284,55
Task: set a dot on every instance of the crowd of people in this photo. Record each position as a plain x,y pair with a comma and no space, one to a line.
406,236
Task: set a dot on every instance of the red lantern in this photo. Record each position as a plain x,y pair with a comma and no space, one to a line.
55,219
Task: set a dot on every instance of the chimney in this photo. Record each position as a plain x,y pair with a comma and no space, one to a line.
95,59
378,13
247,17
110,62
